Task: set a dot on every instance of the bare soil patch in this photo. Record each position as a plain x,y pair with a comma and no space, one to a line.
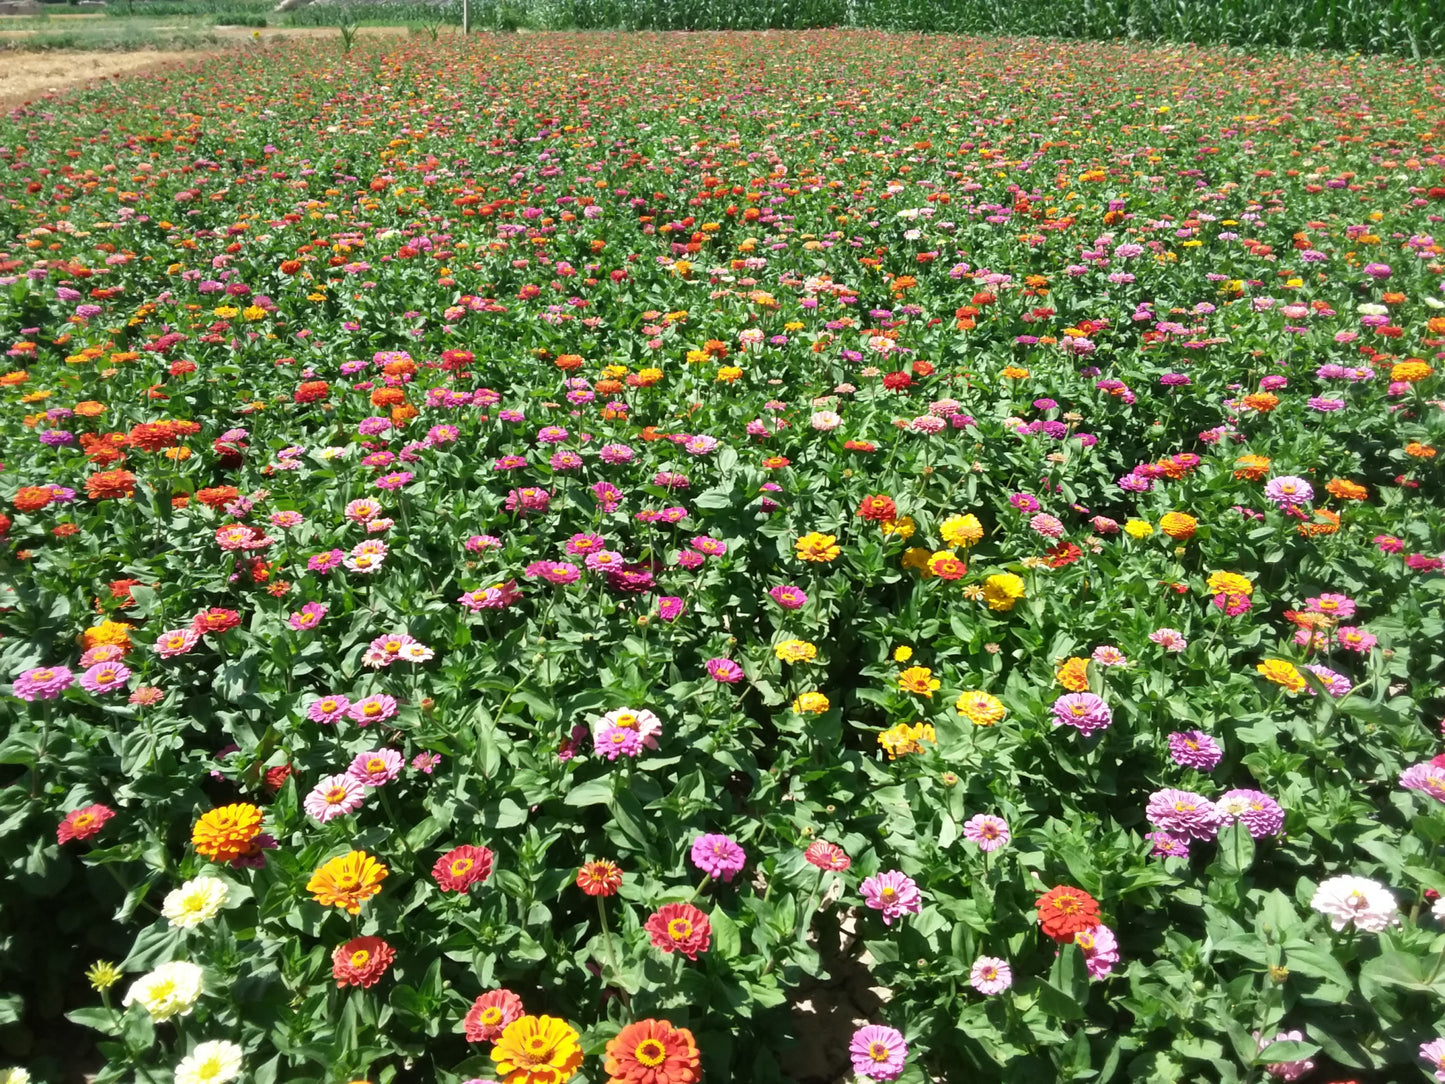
25,77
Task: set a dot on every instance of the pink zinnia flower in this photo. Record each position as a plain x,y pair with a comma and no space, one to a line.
878,1052
1101,950
894,893
988,831
103,677
1288,491
669,607
990,975
328,709
789,597
718,856
615,741
1085,711
1184,814
43,683
425,762
1169,639
334,796
308,617
175,642
1355,639
375,769
373,709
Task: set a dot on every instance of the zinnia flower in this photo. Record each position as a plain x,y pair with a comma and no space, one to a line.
83,823
893,893
1101,950
172,989
599,878
1064,911
1085,711
990,975
878,1052
226,833
334,796
1285,1070
652,1052
680,927
491,1013
827,856
1346,899
718,856
212,1062
1002,590
1258,812
537,1050
1184,814
361,961
195,902
1195,749
461,867
986,830
347,881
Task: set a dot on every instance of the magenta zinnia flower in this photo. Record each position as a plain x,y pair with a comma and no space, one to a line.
718,856
894,893
615,741
308,617
334,796
878,1052
1086,711
1183,813
725,671
1195,749
374,709
789,597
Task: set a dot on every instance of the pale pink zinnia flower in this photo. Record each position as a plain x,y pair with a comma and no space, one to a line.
894,893
377,768
334,796
990,975
988,831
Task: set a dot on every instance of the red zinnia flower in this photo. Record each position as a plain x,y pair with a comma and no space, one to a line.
599,878
652,1052
491,1013
1064,911
462,867
83,823
896,381
680,927
110,484
1065,553
878,507
827,855
361,961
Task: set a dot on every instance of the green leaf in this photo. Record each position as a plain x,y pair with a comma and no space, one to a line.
592,792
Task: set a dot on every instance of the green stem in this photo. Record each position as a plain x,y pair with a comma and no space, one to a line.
606,938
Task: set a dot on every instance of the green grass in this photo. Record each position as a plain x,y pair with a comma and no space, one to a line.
112,39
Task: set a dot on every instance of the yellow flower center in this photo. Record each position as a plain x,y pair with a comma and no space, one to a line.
376,764
360,957
372,709
460,866
878,1052
888,893
679,929
491,1015
650,1053
336,795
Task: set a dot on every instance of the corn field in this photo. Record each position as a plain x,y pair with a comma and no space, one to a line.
1412,28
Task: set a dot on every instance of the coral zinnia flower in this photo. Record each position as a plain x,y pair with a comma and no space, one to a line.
361,961
347,881
537,1050
83,823
680,927
600,878
1064,911
462,867
491,1013
226,833
878,507
827,856
110,484
652,1052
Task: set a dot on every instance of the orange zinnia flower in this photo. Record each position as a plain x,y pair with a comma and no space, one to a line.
347,881
226,833
652,1052
1064,911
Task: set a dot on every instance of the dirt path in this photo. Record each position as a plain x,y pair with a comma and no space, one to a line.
25,77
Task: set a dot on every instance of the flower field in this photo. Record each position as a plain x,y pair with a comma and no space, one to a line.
547,557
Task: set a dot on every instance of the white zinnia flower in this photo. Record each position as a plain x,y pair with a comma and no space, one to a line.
195,902
1366,903
1438,910
213,1062
15,1076
170,990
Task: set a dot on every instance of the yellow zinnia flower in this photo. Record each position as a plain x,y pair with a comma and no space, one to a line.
1002,590
919,680
1138,528
1282,673
981,708
817,547
795,651
537,1050
810,704
347,881
961,530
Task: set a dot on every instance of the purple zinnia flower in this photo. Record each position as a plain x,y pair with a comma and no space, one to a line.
1086,711
1183,813
1288,491
669,607
718,856
1195,749
1258,812
1167,846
